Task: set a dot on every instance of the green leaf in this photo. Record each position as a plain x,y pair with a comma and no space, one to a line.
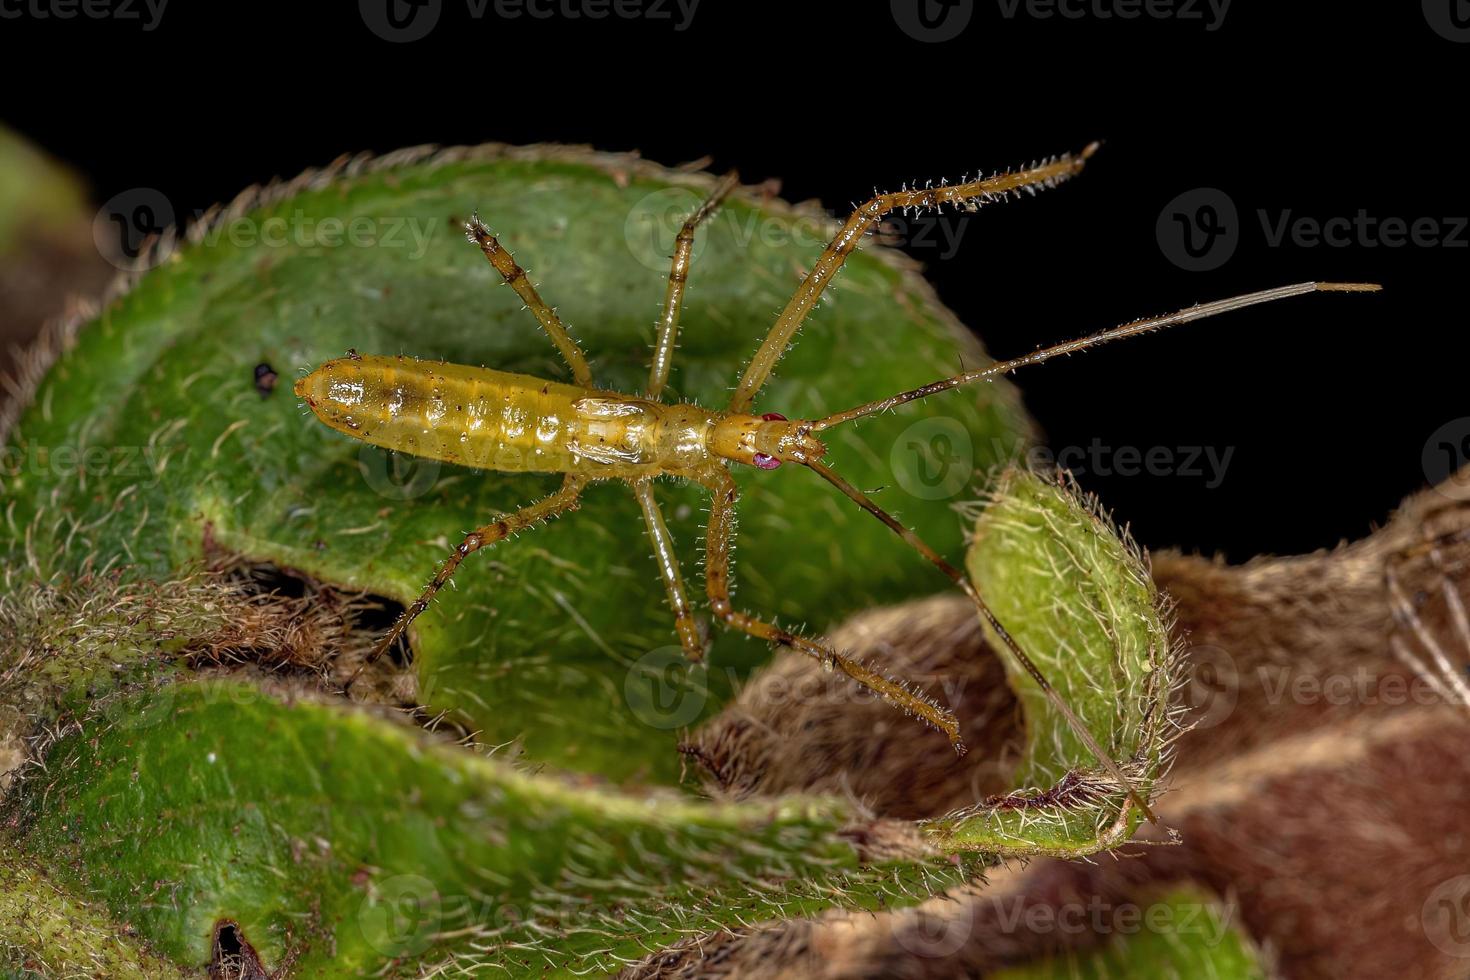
344,844
149,438
1078,598
45,928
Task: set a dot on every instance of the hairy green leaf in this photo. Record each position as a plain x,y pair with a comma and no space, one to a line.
150,442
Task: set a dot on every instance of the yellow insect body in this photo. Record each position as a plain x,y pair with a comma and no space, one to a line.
516,423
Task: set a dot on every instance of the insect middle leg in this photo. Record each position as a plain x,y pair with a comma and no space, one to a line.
717,580
517,279
668,322
685,625
557,503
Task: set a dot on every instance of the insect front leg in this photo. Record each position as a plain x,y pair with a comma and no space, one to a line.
717,580
524,519
668,565
668,322
967,194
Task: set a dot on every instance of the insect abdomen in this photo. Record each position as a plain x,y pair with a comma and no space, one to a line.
492,420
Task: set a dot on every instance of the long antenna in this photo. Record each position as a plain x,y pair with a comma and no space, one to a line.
1200,312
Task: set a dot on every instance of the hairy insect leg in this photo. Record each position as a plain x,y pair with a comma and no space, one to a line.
668,322
517,279
717,579
553,505
685,624
967,194
963,581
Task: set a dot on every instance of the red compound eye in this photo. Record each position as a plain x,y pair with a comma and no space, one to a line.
773,417
766,462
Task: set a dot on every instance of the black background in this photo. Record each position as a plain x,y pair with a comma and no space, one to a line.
1327,401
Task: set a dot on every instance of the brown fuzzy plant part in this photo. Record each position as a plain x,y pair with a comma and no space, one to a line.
850,743
1319,796
67,645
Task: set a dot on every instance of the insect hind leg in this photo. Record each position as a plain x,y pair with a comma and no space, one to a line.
516,278
564,499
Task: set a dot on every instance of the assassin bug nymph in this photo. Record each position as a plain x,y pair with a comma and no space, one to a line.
492,420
